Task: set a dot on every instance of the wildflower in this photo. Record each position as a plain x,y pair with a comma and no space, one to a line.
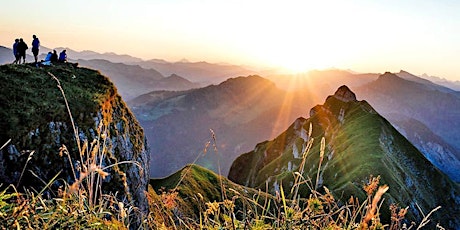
397,216
169,199
315,205
371,185
102,173
229,205
74,187
96,168
212,207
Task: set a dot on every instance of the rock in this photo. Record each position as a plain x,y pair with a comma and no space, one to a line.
344,94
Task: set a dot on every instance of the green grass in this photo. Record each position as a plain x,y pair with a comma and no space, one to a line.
30,96
192,199
364,144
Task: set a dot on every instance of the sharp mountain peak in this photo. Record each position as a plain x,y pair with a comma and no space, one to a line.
344,93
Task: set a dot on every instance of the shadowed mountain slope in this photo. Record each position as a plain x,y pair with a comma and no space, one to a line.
436,107
240,111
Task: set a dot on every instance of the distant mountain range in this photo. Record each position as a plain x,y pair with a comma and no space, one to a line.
322,82
241,112
178,127
200,72
90,55
455,85
358,143
425,111
203,73
133,80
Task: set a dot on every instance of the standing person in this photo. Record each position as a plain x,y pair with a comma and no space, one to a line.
63,56
22,47
15,51
35,47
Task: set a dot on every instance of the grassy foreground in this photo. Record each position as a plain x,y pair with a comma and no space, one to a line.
196,198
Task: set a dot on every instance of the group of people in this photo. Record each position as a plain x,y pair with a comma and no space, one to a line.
20,47
52,57
19,51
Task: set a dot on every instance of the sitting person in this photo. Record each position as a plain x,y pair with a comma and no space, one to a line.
47,60
54,57
63,56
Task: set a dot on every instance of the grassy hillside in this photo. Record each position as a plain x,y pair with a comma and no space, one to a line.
197,198
30,96
45,144
31,100
358,143
195,186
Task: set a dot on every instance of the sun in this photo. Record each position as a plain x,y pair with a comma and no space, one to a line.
295,62
294,66
295,55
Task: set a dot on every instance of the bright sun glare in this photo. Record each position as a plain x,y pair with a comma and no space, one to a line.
296,40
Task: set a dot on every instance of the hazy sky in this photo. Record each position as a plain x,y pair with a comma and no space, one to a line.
362,35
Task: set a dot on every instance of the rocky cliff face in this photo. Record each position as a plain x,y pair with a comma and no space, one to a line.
35,120
359,143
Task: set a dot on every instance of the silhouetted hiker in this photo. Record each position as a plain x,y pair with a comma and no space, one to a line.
47,60
15,51
63,56
22,47
54,57
35,47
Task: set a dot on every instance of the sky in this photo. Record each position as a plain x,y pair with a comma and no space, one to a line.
362,35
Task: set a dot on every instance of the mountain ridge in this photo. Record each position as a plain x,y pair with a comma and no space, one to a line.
134,80
439,110
359,142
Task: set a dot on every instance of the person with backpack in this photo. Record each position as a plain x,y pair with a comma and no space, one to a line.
15,51
22,47
35,47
